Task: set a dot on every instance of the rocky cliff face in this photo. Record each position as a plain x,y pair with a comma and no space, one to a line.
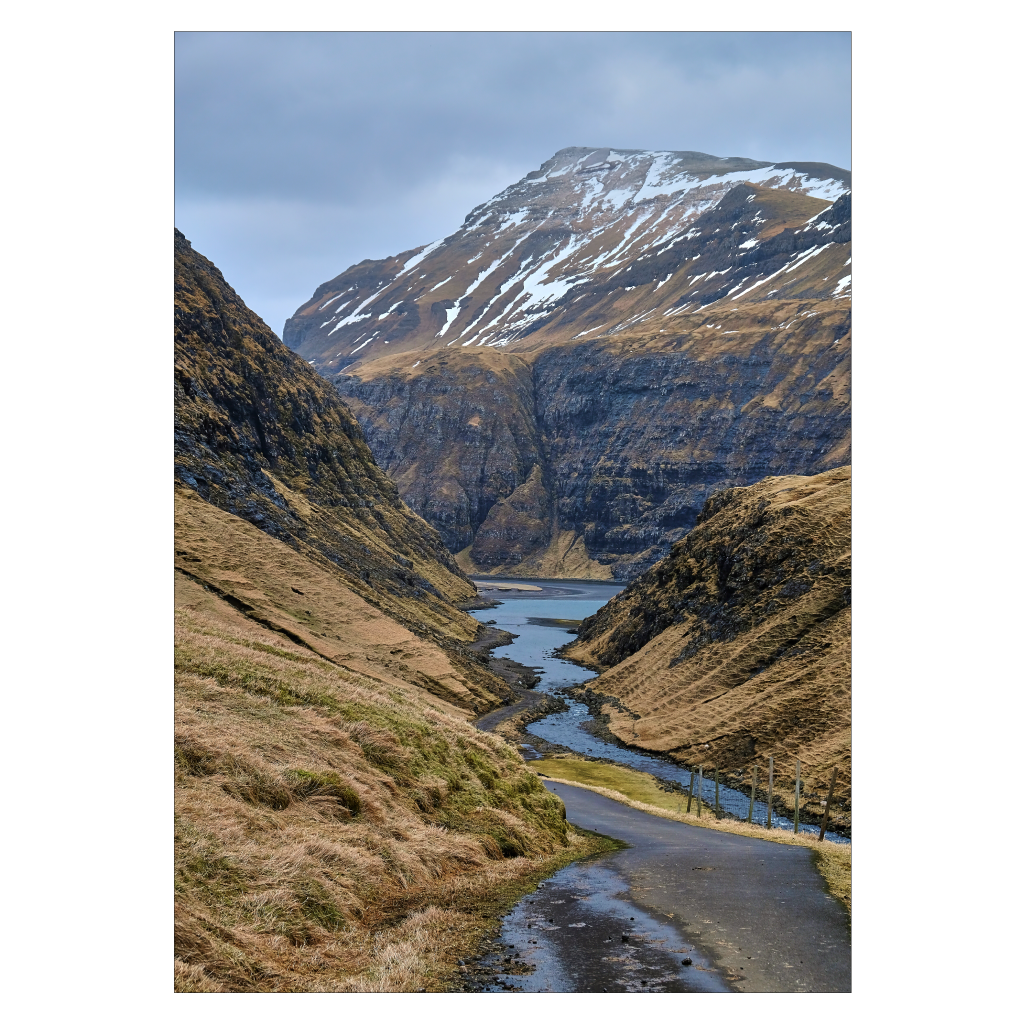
737,645
457,433
263,437
560,385
608,448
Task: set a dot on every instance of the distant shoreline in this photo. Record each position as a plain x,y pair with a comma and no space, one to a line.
520,581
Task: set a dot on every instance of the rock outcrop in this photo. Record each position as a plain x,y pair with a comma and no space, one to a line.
457,433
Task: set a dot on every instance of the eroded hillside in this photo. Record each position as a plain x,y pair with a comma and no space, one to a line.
737,645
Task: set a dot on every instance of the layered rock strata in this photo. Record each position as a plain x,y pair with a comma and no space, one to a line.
592,458
560,384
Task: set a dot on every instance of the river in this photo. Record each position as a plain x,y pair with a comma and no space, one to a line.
530,615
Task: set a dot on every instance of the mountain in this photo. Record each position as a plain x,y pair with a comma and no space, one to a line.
537,263
560,384
737,645
263,437
340,825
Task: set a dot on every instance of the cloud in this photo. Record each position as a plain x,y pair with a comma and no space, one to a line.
298,154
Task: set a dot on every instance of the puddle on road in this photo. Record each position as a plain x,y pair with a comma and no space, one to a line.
579,933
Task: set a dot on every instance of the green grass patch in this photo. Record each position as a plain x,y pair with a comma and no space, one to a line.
635,785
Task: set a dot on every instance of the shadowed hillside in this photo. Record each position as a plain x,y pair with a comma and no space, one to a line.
340,825
737,645
262,436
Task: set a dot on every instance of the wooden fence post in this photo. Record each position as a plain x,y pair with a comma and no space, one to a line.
689,797
796,805
753,787
828,804
700,788
771,780
718,809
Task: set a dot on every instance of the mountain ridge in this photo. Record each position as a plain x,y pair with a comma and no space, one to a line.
562,227
560,384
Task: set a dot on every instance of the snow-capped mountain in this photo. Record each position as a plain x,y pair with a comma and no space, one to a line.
559,385
594,242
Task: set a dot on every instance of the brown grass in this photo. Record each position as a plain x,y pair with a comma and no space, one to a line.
307,601
737,646
336,831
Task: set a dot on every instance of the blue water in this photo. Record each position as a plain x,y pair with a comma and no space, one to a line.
535,647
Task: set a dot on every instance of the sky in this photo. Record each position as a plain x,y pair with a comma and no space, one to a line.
300,154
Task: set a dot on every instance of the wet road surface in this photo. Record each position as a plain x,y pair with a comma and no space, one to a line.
580,932
757,911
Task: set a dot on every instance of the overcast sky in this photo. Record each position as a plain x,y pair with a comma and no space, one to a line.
299,154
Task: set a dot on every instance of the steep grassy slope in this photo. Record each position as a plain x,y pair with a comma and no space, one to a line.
261,435
339,824
737,645
309,603
337,827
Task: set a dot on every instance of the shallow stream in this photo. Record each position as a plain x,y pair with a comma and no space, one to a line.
532,617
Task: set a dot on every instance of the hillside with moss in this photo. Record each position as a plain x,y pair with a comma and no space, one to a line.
340,825
737,646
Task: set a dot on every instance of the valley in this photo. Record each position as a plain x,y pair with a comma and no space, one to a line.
340,825
618,397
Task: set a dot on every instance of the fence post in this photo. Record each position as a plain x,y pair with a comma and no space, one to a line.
700,788
718,809
796,805
771,780
753,787
828,804
689,797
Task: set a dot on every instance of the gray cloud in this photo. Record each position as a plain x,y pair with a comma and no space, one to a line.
298,154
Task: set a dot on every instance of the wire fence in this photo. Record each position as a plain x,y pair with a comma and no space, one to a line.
767,796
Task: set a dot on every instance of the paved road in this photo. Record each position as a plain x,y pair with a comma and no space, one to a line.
758,910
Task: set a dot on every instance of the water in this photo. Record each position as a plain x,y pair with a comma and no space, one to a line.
579,932
524,614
